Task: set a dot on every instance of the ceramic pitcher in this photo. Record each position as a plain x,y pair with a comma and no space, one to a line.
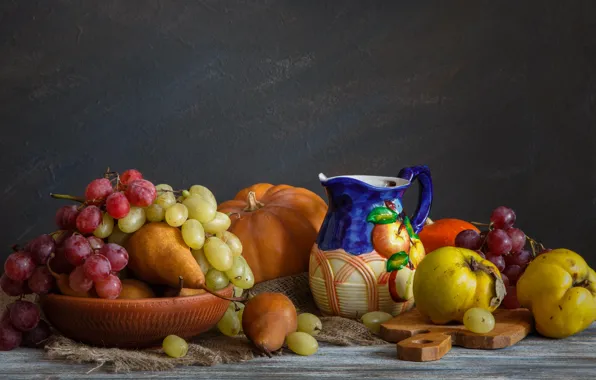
367,249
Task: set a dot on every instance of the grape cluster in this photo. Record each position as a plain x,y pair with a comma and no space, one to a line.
20,325
505,246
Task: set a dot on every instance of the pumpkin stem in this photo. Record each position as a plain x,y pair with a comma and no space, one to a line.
253,203
428,222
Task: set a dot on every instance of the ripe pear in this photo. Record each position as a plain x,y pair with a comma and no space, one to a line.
134,289
159,256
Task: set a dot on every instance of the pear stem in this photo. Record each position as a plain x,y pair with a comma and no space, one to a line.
253,203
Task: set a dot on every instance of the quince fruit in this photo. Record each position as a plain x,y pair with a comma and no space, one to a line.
451,280
559,288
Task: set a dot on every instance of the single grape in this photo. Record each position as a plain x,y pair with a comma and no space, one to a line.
95,242
247,280
510,301
220,223
176,215
481,254
116,255
240,313
498,242
165,197
118,237
155,213
521,258
78,281
373,320
132,222
98,190
19,266
89,219
97,267
117,205
59,263
41,281
216,280
502,218
237,269
129,176
478,320
302,343
193,233
77,249
24,315
200,258
497,260
66,217
141,193
11,287
174,346
518,239
204,192
200,209
35,338
229,324
309,323
41,248
513,272
505,280
218,254
10,338
106,227
232,241
469,239
109,288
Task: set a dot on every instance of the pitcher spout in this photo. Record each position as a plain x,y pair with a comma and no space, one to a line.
322,178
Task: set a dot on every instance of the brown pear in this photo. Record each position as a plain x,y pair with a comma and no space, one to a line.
134,289
159,256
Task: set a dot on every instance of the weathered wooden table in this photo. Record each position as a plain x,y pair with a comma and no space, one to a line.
533,358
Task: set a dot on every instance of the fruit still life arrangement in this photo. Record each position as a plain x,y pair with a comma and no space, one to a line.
138,265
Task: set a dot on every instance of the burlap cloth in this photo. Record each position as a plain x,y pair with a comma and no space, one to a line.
212,347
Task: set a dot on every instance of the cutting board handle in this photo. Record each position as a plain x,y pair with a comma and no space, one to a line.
424,347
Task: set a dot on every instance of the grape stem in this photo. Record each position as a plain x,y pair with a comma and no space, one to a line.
231,299
480,223
67,197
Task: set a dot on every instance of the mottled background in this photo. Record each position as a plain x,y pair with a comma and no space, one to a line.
497,97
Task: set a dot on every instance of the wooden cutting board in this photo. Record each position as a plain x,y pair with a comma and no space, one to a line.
419,340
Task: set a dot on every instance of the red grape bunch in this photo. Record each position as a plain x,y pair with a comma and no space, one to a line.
505,246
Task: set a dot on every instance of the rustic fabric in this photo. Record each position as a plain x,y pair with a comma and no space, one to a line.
212,348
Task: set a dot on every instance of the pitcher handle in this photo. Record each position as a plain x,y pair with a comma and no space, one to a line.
425,196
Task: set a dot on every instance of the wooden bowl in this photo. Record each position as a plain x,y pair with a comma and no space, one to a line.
135,323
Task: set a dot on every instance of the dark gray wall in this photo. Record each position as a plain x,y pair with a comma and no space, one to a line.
497,97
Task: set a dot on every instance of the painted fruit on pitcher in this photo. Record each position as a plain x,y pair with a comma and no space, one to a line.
394,238
367,250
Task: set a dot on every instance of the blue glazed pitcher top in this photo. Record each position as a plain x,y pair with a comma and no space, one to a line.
352,198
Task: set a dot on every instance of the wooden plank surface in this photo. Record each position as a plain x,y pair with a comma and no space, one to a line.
533,358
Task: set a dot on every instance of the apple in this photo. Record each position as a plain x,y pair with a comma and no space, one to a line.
391,238
401,284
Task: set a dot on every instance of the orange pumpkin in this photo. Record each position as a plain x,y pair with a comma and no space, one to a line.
277,226
442,232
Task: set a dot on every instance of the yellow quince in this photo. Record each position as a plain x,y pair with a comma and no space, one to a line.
451,280
559,288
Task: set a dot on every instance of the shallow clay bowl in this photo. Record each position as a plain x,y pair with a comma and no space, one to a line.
133,323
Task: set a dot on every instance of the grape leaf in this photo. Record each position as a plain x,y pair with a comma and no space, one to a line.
397,261
410,228
382,215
